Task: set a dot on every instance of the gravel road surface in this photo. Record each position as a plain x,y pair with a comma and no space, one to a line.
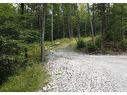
75,72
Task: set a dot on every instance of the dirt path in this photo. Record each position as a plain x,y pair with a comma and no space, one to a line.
71,71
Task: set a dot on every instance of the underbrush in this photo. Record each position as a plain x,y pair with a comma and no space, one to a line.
86,46
81,43
110,47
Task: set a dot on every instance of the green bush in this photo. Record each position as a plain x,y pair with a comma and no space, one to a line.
91,47
80,44
124,44
9,32
11,58
30,36
98,42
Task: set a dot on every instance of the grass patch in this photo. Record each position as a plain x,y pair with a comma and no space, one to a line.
60,43
33,78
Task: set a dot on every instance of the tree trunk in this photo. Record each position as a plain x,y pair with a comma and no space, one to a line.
22,8
42,38
91,24
78,26
58,27
93,21
69,26
85,28
103,25
63,28
121,20
42,30
72,31
52,25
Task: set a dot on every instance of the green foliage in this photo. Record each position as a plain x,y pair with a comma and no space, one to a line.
31,79
9,33
11,51
87,46
124,44
30,36
98,42
34,52
6,10
80,43
91,47
11,58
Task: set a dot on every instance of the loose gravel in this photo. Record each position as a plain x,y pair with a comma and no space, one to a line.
74,72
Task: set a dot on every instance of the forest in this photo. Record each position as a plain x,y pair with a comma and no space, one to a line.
30,31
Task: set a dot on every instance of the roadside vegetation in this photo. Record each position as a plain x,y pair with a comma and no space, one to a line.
87,46
33,75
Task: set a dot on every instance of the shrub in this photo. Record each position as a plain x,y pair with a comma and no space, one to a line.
98,42
30,36
91,47
124,44
80,44
9,32
11,57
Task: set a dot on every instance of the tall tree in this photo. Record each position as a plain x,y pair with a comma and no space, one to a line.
93,18
22,5
91,23
52,24
78,22
42,28
102,13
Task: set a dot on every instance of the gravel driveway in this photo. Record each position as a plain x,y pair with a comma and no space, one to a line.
73,72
